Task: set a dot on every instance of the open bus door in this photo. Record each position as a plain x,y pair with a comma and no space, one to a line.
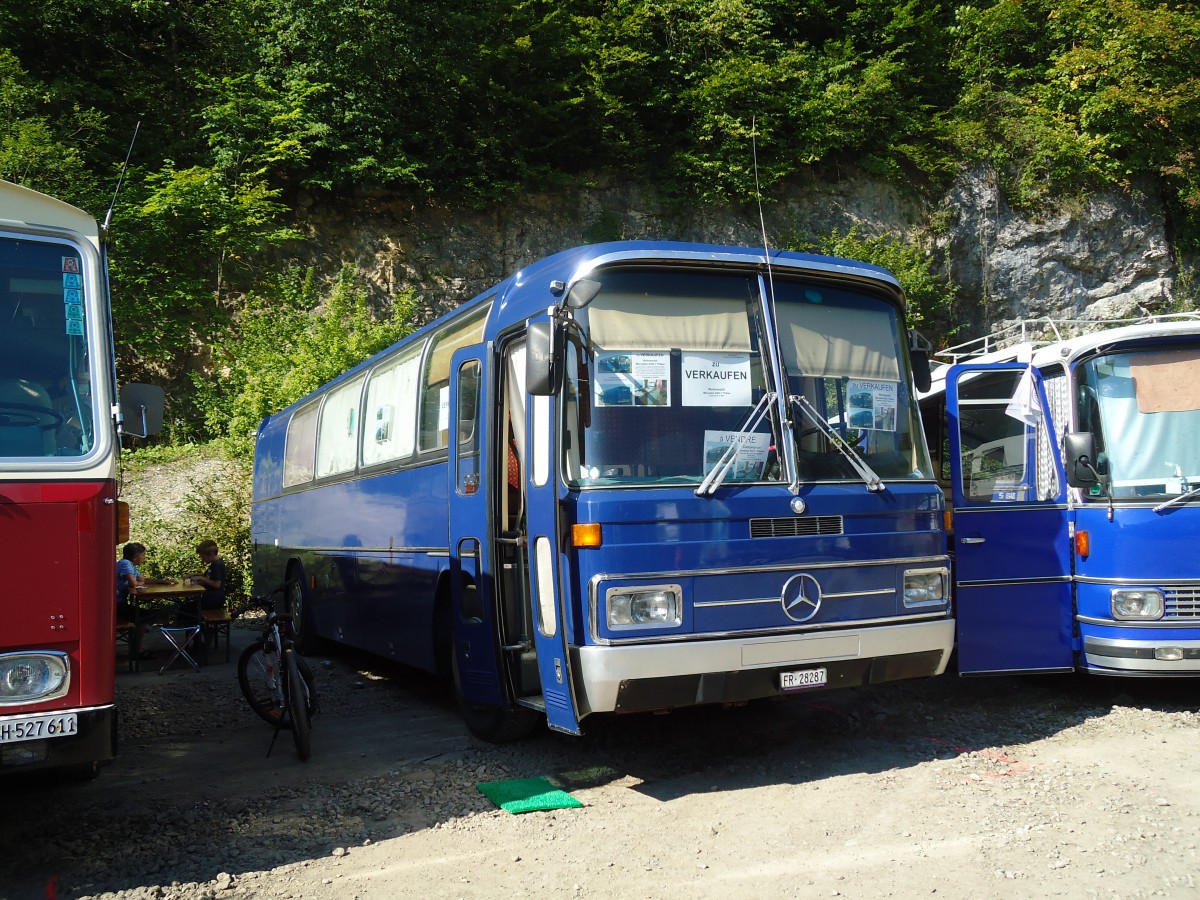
1012,554
550,615
472,588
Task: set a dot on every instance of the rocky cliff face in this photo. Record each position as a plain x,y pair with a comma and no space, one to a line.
1108,257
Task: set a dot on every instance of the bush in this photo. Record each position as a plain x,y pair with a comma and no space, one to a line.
216,509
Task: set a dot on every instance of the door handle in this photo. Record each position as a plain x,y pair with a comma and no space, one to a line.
972,540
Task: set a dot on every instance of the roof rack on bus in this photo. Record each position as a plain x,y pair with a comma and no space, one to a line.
1042,331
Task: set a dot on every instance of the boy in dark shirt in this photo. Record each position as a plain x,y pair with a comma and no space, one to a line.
213,581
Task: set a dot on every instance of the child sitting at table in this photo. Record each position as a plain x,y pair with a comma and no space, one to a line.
129,581
212,580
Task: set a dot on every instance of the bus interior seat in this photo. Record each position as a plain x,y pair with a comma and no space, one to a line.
24,438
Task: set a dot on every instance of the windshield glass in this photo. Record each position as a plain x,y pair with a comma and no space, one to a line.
45,384
1144,409
677,372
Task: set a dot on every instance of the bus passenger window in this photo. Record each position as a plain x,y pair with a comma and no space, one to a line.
467,426
300,453
435,388
390,420
337,432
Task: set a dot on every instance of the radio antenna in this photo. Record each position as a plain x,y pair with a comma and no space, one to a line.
762,222
121,179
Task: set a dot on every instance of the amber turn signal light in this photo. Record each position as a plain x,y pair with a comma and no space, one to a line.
1083,544
587,535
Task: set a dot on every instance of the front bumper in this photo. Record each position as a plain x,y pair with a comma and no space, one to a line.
96,740
732,670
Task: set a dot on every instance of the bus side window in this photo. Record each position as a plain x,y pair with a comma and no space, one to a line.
300,451
390,419
467,428
337,430
435,386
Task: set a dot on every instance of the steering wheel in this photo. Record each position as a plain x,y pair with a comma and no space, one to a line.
26,415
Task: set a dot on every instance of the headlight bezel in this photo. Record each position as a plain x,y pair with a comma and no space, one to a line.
53,682
920,597
623,606
1120,600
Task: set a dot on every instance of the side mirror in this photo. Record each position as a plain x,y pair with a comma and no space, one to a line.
1080,462
543,358
582,293
922,377
142,409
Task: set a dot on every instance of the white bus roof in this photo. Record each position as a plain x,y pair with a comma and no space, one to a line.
25,207
1027,340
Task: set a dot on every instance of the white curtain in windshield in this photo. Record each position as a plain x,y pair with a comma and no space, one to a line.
641,322
1145,448
833,341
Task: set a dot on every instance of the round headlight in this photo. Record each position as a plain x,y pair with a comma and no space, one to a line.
27,677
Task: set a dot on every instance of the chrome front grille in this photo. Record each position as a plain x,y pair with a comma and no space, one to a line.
1181,603
795,526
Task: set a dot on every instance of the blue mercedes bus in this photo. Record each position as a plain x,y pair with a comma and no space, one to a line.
631,476
1072,465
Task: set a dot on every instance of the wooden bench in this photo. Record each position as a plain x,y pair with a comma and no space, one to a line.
217,621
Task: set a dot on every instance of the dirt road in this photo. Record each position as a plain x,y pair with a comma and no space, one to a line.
1008,787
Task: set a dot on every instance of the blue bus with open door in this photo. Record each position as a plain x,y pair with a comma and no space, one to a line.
1072,467
631,476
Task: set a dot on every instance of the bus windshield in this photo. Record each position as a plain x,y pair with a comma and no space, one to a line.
1144,409
45,384
678,371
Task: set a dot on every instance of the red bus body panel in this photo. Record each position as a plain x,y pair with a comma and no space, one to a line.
58,539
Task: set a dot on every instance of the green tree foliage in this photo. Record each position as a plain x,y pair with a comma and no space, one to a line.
216,508
246,103
1067,94
38,148
284,345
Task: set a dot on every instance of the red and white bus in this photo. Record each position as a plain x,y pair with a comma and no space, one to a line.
60,519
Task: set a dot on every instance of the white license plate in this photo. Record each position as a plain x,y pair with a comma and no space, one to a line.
803,678
31,728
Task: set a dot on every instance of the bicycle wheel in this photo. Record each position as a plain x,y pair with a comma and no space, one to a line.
260,677
297,698
310,685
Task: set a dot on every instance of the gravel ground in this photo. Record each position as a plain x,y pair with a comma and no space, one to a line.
1009,787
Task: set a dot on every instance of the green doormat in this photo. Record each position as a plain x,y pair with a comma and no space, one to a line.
526,795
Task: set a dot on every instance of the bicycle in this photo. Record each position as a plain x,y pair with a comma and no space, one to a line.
277,682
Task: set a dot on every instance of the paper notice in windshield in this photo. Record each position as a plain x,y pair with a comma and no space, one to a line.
751,459
716,379
871,405
633,379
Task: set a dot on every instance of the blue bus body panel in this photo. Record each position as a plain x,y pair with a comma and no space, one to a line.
1013,589
735,581
382,569
1139,549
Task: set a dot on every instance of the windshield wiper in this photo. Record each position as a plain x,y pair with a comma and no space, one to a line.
717,473
1182,498
865,472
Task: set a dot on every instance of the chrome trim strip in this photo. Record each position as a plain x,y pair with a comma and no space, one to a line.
842,596
1134,623
1167,584
792,629
783,567
1029,504
1058,579
436,551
